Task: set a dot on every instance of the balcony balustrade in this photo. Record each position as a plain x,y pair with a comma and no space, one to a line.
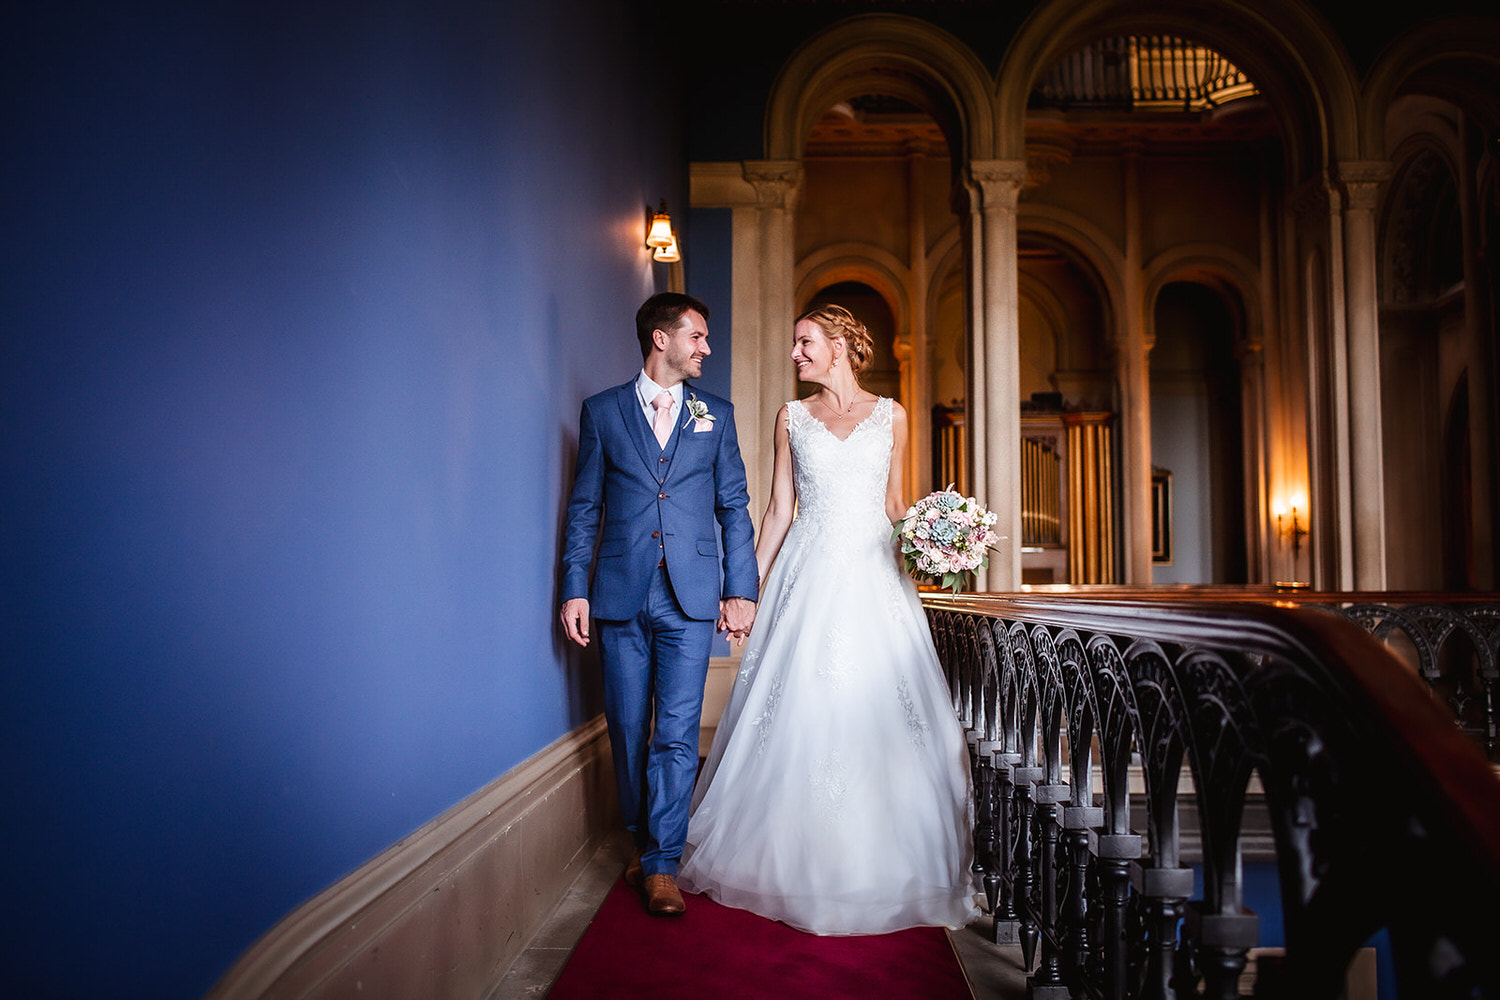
1383,813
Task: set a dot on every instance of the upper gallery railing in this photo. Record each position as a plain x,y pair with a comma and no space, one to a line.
1384,815
1143,72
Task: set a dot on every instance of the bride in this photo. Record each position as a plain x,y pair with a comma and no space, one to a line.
836,795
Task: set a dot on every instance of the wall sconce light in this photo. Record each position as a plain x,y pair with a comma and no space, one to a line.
1293,525
659,228
660,237
1289,524
669,253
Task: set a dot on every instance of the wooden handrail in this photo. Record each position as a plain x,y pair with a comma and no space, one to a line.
1384,814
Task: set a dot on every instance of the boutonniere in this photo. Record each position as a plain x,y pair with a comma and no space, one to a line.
698,411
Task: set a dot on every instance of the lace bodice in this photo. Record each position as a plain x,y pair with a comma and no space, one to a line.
841,485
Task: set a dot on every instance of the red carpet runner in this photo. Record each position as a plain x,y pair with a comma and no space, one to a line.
722,953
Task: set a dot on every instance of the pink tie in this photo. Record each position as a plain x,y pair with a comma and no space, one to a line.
662,425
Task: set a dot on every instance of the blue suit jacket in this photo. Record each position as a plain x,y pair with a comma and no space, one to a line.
644,503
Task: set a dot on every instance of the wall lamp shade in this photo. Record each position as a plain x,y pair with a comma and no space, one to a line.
669,253
659,234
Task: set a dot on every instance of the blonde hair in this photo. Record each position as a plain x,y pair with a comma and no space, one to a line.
838,323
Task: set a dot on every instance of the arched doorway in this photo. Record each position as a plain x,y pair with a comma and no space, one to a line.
1432,111
883,377
1422,362
1197,434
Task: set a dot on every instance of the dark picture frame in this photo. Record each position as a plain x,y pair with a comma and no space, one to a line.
1161,517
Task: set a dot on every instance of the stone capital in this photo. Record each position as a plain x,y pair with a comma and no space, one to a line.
1361,181
777,183
998,182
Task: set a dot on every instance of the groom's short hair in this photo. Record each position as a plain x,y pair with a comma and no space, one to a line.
661,312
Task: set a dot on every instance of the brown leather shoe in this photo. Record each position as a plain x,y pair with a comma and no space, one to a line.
633,871
662,897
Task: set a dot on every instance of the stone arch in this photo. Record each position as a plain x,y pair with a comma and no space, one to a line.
1231,275
1089,245
888,53
1284,47
1421,194
1456,59
869,265
917,62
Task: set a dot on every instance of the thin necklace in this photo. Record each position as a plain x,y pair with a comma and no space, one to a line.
845,411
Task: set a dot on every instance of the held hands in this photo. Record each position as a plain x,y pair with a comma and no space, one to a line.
736,615
575,619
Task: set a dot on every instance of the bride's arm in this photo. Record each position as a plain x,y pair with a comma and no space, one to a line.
783,503
895,505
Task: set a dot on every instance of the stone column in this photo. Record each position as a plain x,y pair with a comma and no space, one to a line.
995,365
763,197
1361,182
1319,209
1133,343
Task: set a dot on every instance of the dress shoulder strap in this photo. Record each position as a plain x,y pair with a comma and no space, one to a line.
796,413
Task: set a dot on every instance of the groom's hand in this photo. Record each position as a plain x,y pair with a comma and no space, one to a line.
575,619
736,615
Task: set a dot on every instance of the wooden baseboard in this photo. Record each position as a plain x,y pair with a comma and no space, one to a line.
443,912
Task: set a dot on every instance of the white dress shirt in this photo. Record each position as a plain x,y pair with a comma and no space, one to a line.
647,390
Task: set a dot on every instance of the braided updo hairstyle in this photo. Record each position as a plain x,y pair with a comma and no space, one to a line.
838,323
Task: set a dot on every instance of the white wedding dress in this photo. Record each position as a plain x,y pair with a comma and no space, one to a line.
836,797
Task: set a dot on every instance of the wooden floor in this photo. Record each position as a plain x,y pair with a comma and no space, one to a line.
994,972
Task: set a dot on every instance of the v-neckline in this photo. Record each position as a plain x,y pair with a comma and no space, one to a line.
829,431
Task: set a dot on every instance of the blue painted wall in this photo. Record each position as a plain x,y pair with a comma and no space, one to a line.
299,303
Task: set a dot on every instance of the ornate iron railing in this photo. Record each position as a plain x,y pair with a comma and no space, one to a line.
1383,815
1451,639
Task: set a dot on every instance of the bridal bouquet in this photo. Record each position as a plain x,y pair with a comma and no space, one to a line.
945,537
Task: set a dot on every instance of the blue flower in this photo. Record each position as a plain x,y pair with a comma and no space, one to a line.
944,531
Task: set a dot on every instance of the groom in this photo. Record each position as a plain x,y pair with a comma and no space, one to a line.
658,463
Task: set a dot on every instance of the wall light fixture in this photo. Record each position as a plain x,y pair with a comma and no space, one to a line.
660,237
659,228
1289,525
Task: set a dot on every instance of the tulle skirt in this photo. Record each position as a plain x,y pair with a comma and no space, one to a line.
836,797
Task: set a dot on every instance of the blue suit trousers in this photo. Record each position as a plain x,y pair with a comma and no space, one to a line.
655,665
